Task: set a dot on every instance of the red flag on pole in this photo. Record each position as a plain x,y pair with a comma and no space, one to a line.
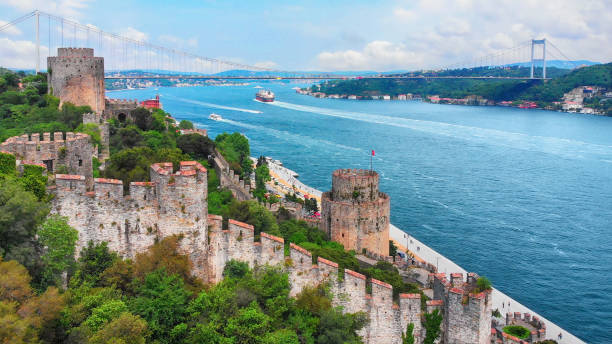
373,154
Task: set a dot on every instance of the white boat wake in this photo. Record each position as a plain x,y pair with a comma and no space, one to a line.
216,106
551,145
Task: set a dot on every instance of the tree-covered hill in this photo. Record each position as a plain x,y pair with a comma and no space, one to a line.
497,90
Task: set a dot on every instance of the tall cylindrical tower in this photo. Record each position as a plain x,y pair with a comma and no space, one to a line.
76,76
355,214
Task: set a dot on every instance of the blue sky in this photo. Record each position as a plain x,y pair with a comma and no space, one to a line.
334,35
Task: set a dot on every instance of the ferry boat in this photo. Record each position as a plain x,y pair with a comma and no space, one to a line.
215,117
265,96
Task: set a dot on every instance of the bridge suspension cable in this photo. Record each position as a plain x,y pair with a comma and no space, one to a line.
129,57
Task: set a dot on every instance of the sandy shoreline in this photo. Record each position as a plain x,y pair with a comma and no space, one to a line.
425,253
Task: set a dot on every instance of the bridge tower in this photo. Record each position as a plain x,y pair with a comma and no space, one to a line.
541,42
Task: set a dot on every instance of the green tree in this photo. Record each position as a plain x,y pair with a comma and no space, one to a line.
142,118
432,326
127,328
408,337
392,248
14,282
196,145
185,124
337,328
249,326
93,260
254,214
105,313
283,336
20,214
59,240
33,180
162,301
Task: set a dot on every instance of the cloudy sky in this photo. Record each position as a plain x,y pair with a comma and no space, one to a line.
331,35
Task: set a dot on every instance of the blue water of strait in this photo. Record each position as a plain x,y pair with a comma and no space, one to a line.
523,197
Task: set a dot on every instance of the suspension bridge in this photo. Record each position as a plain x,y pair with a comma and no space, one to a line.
128,58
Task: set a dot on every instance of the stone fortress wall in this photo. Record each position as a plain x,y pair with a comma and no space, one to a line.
171,203
175,203
229,180
355,213
74,151
120,109
77,76
467,315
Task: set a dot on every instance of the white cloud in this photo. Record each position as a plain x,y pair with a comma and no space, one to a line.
64,8
445,32
266,64
11,30
376,55
20,54
134,34
454,27
404,14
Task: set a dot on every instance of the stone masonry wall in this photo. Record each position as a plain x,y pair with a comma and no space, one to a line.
228,179
467,316
355,213
94,118
74,152
76,76
174,203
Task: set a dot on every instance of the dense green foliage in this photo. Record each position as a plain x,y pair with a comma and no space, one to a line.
31,109
262,176
432,326
235,149
517,331
58,240
498,90
408,338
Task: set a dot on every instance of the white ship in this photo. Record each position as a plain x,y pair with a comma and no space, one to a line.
215,117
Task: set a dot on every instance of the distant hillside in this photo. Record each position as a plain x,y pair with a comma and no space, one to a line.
561,64
498,90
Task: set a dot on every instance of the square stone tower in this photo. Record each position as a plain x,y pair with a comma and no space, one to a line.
355,214
77,77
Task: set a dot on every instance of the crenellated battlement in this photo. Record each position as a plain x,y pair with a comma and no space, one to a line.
58,151
354,185
467,314
122,101
75,52
536,326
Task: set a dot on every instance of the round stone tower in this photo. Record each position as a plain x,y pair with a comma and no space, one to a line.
77,77
355,214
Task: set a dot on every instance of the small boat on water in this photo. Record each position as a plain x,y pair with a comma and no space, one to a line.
215,117
265,96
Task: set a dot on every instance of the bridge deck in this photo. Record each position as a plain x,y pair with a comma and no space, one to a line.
319,77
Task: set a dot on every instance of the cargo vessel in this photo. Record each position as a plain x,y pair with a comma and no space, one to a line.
265,96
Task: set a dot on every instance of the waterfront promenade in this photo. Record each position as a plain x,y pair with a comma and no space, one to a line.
407,242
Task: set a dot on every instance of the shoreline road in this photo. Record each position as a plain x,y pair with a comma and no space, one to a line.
424,253
447,266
